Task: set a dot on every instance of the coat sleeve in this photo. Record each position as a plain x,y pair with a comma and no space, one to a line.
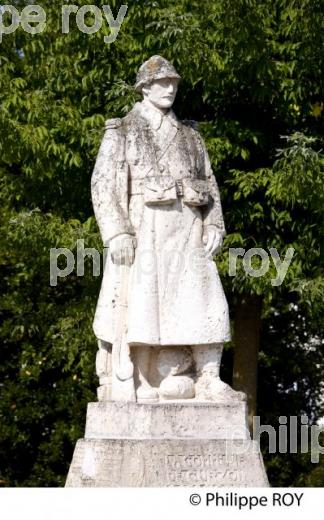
213,214
109,176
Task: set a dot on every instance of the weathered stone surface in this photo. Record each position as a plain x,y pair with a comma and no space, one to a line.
176,420
170,444
154,68
166,463
177,387
162,315
158,207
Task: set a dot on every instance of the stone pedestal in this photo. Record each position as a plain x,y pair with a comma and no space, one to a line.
166,444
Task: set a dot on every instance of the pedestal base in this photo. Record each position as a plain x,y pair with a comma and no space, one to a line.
187,419
163,445
166,463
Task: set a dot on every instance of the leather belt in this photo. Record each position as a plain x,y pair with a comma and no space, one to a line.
136,186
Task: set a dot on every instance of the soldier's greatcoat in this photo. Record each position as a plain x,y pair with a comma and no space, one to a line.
175,294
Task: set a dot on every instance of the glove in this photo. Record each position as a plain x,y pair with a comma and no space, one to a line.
212,239
122,249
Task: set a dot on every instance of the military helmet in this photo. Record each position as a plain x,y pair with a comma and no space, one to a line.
154,68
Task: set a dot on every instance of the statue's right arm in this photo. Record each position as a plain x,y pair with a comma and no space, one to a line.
109,175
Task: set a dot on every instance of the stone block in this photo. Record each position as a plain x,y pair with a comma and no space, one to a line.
165,445
166,463
170,420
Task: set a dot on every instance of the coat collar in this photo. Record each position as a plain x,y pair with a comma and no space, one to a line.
154,117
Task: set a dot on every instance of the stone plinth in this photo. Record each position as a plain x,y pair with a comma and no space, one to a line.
166,445
169,420
166,463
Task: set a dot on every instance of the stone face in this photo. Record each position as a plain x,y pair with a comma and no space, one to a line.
166,463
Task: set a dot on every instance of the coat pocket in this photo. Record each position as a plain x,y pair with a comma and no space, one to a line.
195,192
160,190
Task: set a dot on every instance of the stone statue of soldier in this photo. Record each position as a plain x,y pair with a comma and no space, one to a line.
164,416
158,208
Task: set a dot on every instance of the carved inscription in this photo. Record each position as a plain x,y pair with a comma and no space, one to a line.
166,463
205,469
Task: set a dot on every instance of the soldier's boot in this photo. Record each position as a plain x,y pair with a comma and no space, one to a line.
209,386
145,393
104,370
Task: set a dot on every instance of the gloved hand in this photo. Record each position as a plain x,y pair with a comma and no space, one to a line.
122,249
212,239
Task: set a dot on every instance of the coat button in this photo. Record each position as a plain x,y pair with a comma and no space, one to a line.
161,168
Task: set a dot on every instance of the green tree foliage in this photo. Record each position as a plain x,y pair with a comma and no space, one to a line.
253,78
